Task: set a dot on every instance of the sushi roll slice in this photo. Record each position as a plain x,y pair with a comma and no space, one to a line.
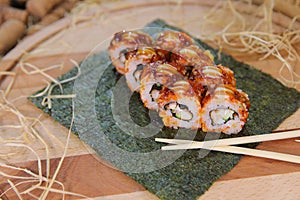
137,60
123,42
212,75
170,40
179,106
196,56
154,77
224,110
135,63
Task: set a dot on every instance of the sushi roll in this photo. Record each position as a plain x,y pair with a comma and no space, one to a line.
123,42
179,106
154,77
181,81
224,110
170,40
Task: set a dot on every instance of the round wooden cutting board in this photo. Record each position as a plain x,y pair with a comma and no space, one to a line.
85,173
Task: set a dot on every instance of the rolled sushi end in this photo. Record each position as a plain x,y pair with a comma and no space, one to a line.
222,119
182,113
225,112
179,107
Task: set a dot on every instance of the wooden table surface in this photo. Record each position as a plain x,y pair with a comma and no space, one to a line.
83,172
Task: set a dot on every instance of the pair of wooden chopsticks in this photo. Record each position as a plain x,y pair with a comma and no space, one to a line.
224,145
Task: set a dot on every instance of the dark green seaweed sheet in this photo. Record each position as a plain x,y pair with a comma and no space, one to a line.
192,173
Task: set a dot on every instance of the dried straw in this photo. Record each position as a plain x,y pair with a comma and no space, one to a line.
257,35
28,134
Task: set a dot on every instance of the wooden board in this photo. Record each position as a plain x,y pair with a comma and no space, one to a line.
84,172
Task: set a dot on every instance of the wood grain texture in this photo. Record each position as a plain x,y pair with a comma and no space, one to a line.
101,179
262,187
248,167
84,172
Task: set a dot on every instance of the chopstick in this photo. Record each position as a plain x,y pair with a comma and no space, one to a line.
184,144
257,153
223,145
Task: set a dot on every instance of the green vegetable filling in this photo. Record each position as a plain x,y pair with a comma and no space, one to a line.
221,116
179,111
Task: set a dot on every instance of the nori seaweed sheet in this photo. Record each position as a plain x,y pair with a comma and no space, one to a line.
194,171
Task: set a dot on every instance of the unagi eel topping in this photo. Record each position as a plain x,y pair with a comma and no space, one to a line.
123,42
169,40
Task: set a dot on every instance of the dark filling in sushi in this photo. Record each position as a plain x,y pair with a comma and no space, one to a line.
154,92
179,111
138,71
221,116
122,55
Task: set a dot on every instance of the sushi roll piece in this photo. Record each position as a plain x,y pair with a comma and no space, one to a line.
154,77
212,75
224,110
179,106
135,62
170,40
196,56
123,42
